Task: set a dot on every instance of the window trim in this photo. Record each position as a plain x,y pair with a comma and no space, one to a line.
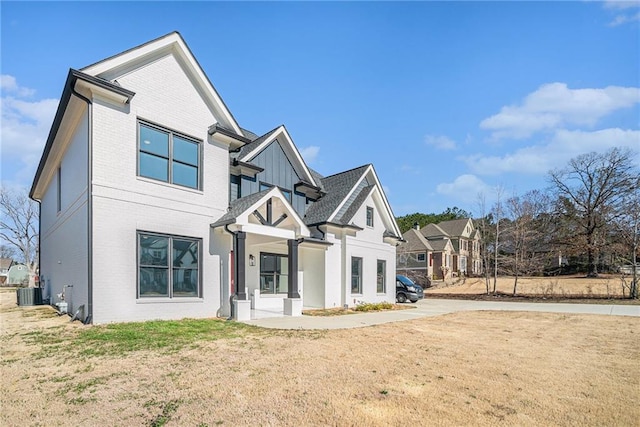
286,273
369,210
360,290
170,159
423,255
169,267
384,276
288,194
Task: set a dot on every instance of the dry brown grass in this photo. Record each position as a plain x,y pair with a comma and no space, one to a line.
605,286
470,368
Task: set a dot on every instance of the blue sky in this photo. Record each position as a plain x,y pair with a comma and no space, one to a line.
446,99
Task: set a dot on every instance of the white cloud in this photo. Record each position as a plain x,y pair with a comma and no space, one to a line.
623,19
624,15
10,85
440,142
25,126
554,105
563,146
621,4
310,153
464,188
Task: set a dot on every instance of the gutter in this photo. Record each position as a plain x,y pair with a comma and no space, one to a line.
89,317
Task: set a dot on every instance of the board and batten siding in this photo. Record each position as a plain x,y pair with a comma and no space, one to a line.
278,171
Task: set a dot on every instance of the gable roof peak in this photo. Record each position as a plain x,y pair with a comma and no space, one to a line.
172,43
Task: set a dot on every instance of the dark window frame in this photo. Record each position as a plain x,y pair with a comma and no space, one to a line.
369,216
171,160
169,267
266,186
381,284
276,275
358,289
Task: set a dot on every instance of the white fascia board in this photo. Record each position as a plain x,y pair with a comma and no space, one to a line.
290,149
264,230
385,201
132,59
243,219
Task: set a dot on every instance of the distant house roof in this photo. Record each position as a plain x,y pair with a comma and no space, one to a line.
415,242
433,230
5,263
455,227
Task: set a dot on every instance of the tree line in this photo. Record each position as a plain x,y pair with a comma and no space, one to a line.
586,221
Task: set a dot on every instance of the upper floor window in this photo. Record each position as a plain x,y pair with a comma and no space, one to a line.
287,193
167,156
369,216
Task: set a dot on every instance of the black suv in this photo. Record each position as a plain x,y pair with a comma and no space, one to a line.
407,290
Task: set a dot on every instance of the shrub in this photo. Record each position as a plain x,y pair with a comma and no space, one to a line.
374,306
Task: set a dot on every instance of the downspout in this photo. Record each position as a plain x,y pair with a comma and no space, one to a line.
321,232
235,273
89,317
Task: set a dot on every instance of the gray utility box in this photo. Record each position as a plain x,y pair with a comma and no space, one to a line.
29,296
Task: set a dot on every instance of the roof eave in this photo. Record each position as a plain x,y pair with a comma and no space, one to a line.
69,87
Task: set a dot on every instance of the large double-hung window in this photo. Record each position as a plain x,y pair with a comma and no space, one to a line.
168,266
167,156
274,273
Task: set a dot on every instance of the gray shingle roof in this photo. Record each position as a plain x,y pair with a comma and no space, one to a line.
432,230
248,134
454,227
439,245
337,188
355,205
237,207
248,148
414,242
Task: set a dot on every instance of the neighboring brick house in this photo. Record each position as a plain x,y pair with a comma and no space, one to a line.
156,204
440,251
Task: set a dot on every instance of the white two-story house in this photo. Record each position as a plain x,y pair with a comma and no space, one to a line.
156,204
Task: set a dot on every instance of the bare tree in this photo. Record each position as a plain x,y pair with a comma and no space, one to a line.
483,227
526,228
497,213
19,227
628,226
7,251
591,190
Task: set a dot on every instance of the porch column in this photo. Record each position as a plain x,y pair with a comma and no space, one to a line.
240,240
292,245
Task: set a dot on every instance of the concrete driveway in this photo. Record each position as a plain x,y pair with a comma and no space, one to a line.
436,307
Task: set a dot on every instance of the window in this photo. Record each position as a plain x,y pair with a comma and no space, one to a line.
168,266
369,216
421,257
381,283
287,193
166,156
356,275
59,189
274,269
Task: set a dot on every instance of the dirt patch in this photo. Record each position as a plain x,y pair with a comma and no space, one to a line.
563,288
469,368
